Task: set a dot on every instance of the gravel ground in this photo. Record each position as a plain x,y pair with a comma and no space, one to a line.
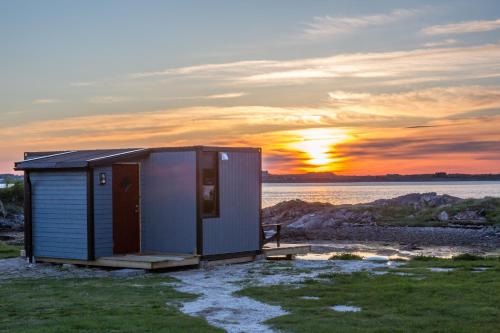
487,237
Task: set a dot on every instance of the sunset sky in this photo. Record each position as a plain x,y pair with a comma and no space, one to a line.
351,87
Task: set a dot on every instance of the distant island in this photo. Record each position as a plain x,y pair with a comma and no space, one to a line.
329,177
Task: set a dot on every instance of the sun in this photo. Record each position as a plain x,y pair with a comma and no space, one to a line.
316,145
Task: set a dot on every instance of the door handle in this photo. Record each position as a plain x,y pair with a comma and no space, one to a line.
136,210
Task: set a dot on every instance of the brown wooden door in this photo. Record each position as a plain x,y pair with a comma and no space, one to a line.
126,232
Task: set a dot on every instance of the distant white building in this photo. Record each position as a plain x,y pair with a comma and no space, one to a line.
3,183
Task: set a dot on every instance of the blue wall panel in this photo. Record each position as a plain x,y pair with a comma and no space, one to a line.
103,213
59,203
238,226
168,211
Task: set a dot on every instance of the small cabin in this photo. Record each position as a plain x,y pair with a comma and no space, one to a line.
86,205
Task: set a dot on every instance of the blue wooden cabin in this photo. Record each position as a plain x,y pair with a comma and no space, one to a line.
88,204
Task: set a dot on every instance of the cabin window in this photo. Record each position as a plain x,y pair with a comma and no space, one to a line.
209,184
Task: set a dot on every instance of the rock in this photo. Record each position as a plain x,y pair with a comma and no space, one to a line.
377,258
304,221
2,209
345,308
418,200
13,222
123,272
410,247
469,216
443,216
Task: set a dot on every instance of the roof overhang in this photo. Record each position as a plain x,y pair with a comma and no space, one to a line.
44,162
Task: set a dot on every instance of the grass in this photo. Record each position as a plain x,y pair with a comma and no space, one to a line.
422,301
467,256
345,256
95,305
9,251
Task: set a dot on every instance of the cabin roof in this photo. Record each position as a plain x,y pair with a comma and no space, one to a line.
75,159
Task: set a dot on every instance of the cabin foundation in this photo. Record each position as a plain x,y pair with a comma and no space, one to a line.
157,261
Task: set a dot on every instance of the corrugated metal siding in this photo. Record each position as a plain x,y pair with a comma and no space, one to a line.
59,203
168,212
103,213
237,228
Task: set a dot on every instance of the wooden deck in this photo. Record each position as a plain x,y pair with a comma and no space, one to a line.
172,260
141,261
288,250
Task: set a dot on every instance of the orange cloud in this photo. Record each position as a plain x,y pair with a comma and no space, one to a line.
441,101
351,136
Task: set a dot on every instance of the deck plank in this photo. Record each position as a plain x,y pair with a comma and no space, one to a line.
148,261
286,250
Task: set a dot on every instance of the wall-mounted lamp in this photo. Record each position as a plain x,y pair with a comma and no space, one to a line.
224,156
102,178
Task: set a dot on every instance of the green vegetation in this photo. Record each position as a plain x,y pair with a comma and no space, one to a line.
95,305
424,258
13,194
467,256
345,256
411,298
9,251
489,206
489,209
13,197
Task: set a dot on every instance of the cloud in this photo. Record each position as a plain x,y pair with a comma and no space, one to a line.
203,69
183,126
224,96
110,99
462,27
445,42
375,138
419,148
376,68
444,145
430,103
46,101
82,83
326,26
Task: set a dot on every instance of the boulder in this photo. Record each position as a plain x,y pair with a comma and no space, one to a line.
2,210
469,216
418,200
443,216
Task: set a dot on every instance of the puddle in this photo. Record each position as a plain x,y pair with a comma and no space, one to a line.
377,258
479,269
391,250
315,298
345,308
441,269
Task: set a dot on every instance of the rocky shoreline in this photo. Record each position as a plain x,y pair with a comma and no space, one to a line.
415,220
485,237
